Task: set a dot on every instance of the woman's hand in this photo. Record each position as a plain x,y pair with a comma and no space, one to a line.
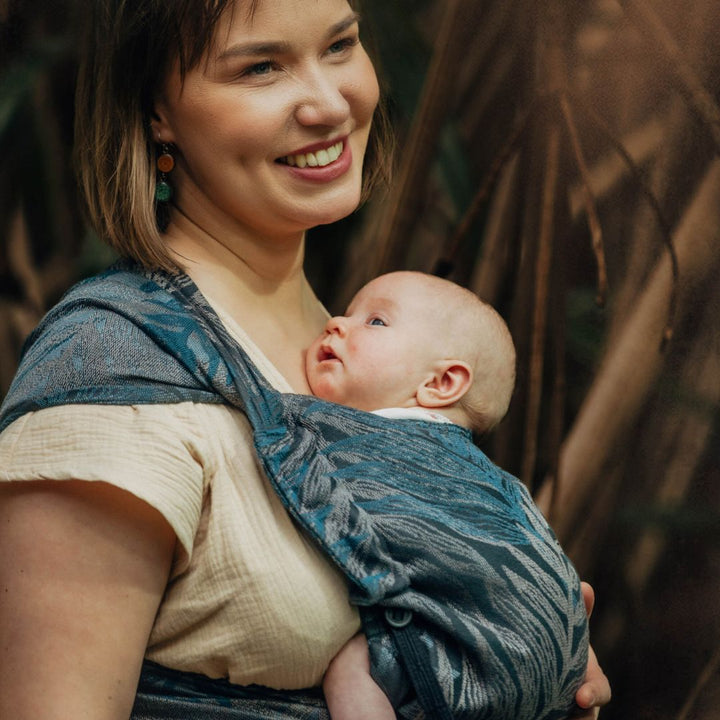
83,567
595,691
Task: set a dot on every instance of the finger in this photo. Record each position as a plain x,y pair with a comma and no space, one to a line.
595,691
588,597
585,698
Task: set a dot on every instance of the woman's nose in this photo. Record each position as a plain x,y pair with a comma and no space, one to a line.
323,101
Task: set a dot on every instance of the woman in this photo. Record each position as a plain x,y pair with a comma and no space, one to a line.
164,541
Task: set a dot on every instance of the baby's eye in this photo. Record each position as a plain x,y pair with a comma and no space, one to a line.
376,321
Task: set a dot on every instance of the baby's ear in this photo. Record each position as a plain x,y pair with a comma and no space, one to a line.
446,386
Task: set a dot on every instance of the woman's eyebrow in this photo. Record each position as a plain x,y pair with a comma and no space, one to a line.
343,25
253,49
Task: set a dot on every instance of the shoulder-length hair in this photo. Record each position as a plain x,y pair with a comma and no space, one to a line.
129,48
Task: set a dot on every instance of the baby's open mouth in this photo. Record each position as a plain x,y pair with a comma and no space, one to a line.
321,158
326,353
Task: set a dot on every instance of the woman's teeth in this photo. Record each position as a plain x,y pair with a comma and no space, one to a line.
321,158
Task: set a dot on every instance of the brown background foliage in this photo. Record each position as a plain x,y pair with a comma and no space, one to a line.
550,155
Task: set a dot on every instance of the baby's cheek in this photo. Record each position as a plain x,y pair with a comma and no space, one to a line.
356,349
314,378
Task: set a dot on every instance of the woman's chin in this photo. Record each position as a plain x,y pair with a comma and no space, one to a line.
338,212
333,206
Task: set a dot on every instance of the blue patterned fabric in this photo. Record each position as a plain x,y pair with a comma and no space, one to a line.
165,694
412,512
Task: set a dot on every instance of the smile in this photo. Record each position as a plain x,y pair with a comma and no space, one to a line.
321,158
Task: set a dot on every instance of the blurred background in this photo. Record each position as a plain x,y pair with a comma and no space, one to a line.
561,159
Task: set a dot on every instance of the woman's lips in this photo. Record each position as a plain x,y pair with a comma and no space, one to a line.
324,168
315,158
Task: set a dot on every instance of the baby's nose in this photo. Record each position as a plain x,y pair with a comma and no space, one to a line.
336,324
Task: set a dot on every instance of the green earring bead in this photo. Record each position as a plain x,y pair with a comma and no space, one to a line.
163,191
165,163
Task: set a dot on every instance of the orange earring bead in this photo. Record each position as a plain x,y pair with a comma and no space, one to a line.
165,163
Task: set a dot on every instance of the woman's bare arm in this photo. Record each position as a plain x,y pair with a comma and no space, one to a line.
83,567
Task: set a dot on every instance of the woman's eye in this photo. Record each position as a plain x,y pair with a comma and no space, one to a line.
377,321
262,68
344,44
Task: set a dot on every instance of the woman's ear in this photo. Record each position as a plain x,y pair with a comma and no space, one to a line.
446,386
159,122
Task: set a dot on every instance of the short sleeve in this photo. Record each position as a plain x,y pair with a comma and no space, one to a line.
152,451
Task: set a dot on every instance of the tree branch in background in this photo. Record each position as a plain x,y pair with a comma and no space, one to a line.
590,205
684,436
630,368
665,46
551,73
491,266
481,196
22,266
402,209
543,264
558,394
611,169
666,235
709,671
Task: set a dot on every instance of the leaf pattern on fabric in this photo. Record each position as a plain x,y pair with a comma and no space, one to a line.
412,512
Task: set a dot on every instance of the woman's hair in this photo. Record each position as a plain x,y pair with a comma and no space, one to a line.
129,48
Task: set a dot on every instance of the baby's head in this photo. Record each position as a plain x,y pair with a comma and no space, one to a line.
409,339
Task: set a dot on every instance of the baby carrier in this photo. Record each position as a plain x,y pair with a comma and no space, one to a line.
470,607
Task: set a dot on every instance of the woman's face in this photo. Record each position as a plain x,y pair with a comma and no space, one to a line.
271,130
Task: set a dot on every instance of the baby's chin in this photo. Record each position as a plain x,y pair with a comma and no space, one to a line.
329,392
325,385
321,387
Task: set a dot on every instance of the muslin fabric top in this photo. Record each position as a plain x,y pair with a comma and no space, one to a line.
249,598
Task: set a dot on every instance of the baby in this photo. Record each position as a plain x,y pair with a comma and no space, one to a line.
409,346
419,344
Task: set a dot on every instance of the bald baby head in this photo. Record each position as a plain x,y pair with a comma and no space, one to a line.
461,326
410,339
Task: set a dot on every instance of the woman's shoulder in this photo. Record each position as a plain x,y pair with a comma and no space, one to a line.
118,338
122,281
160,453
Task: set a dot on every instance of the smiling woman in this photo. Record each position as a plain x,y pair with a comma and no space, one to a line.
167,555
156,44
259,99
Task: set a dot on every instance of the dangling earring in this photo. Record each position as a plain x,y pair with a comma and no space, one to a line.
163,191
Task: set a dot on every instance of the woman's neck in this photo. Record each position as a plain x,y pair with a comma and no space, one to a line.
260,283
257,260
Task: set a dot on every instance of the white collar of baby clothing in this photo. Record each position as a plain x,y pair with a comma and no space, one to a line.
412,413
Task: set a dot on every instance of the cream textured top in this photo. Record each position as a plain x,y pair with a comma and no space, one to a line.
249,598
